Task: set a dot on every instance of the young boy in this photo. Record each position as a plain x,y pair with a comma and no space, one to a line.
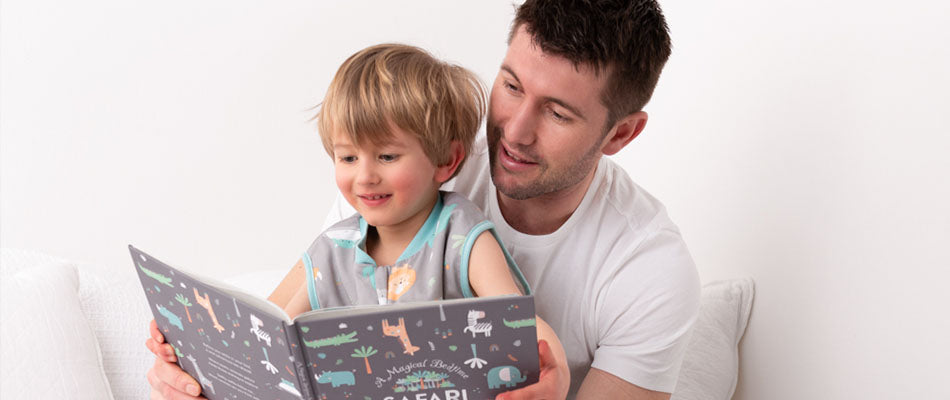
398,124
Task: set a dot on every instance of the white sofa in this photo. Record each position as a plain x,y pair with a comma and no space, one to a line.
74,331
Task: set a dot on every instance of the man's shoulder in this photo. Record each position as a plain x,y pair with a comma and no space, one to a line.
619,198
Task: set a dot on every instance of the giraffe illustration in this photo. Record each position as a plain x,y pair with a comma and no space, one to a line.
399,331
206,303
205,382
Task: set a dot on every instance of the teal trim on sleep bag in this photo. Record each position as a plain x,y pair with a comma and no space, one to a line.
311,287
423,235
467,253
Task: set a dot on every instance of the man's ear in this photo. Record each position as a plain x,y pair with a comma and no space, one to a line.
456,154
624,131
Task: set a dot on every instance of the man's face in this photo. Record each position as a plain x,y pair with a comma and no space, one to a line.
545,122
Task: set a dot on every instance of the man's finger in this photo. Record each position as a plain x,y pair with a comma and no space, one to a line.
546,387
545,355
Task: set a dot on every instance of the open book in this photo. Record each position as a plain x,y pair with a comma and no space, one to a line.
239,346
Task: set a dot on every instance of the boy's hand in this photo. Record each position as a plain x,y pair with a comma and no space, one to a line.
168,381
553,381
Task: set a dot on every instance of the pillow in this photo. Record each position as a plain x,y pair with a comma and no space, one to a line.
115,306
710,367
49,349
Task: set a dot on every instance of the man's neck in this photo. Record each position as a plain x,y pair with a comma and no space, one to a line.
544,214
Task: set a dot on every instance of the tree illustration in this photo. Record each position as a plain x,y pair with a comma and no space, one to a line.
441,378
184,301
419,376
365,352
432,377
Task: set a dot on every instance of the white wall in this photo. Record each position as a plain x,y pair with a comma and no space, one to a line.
802,143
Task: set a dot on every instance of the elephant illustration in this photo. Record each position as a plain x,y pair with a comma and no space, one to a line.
507,375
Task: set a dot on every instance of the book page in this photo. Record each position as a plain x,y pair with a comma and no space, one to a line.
235,350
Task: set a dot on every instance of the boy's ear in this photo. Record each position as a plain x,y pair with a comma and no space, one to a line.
624,131
456,154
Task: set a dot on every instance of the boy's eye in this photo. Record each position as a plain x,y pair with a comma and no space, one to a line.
347,159
388,157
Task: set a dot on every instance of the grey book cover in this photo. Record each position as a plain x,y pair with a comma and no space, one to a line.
242,347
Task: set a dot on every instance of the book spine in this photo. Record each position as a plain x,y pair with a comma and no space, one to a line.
307,389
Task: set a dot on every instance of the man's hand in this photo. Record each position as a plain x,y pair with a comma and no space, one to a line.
168,381
553,382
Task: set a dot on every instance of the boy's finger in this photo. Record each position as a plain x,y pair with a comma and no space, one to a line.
155,333
176,379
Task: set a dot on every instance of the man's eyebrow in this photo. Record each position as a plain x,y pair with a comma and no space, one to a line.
554,100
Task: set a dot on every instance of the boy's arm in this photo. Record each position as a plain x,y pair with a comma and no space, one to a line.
168,381
489,275
289,286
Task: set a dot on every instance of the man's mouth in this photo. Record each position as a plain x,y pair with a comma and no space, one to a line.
515,157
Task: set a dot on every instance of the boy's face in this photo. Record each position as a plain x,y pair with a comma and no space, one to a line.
545,123
392,186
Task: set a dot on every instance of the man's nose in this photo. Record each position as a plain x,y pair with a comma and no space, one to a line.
521,127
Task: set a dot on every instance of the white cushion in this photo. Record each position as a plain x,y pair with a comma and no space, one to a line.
116,307
711,365
49,350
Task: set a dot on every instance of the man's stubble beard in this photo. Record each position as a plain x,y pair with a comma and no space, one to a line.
550,180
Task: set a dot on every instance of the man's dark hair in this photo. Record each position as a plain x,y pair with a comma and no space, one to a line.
629,39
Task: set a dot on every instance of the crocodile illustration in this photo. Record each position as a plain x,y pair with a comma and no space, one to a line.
332,341
521,323
156,276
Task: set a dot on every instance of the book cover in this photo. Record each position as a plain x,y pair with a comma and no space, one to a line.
234,344
239,346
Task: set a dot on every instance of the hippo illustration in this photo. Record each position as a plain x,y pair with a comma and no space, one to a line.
337,378
507,375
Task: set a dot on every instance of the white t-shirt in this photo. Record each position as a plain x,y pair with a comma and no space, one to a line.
616,281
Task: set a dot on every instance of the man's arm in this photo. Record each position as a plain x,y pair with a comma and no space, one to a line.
602,385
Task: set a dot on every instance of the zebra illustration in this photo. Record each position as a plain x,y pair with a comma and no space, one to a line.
475,326
256,325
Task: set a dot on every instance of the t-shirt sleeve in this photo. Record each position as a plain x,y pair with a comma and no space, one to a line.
645,314
338,211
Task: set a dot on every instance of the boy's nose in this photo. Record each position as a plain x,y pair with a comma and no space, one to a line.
367,174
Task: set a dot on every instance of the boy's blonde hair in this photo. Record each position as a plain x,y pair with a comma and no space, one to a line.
401,85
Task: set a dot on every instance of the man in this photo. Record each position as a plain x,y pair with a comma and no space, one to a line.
610,271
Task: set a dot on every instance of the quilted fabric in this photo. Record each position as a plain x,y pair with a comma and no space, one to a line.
49,350
116,308
711,365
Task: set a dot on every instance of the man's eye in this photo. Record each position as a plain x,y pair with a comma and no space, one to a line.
388,157
559,117
509,86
